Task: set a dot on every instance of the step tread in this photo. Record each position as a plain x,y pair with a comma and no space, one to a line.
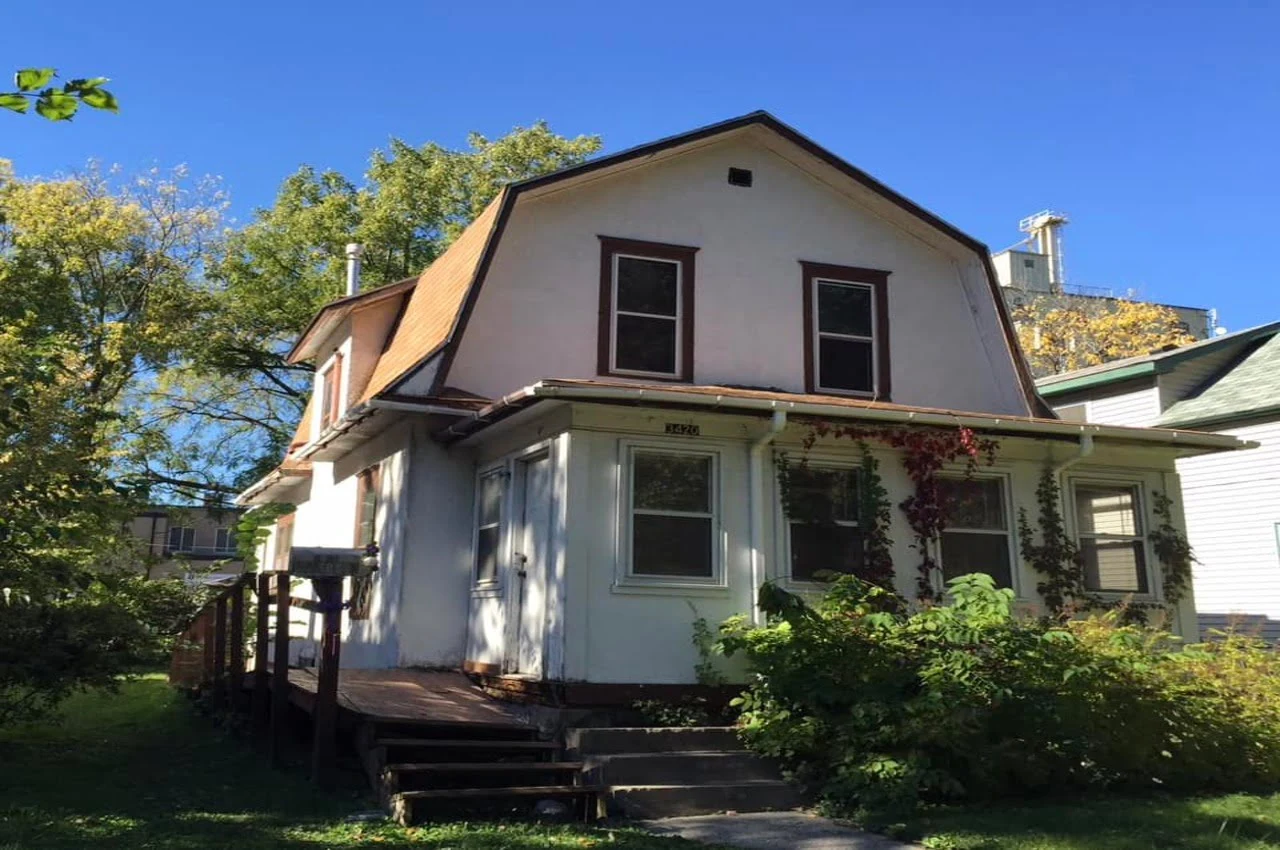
510,791
745,783
486,767
457,744
683,754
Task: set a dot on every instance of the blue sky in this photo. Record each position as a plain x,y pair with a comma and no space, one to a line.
1155,126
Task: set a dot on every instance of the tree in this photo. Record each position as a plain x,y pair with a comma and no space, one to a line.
57,103
97,286
1060,333
234,388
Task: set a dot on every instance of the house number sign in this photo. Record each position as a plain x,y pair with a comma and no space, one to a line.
683,429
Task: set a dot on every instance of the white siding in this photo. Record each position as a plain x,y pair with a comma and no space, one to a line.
537,314
1137,407
1232,506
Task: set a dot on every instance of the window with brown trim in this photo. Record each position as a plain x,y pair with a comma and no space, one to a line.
330,392
846,330
646,309
284,542
366,535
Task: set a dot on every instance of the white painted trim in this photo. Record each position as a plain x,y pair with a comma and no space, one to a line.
627,582
678,318
818,334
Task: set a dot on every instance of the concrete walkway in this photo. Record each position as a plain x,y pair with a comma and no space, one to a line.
773,831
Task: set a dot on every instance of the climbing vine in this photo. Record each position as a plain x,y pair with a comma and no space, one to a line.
1056,557
1172,550
926,452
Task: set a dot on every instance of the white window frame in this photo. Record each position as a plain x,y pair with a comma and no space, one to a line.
678,318
1009,532
1139,487
784,567
335,361
626,578
181,547
818,335
226,533
492,585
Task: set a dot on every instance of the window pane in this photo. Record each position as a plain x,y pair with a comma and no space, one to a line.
819,548
487,554
1106,510
490,499
973,503
844,309
671,546
647,286
823,495
368,511
844,364
1118,565
671,482
645,344
976,553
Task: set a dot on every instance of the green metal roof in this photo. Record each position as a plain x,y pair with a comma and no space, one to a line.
1249,388
1150,364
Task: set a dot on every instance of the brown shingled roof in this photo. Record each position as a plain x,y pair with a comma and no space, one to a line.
435,304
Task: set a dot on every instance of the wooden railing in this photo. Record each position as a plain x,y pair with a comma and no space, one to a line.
211,657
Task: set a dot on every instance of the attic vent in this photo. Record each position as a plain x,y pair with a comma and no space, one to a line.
739,176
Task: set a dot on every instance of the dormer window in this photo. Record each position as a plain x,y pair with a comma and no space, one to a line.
330,395
646,309
846,343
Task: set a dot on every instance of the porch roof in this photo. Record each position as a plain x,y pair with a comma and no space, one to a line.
765,401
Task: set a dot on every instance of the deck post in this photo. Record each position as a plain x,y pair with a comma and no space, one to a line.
324,716
261,699
235,684
219,649
280,673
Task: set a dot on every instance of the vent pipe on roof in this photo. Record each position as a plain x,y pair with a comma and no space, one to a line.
354,250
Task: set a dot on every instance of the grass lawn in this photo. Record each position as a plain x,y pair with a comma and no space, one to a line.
142,770
1232,822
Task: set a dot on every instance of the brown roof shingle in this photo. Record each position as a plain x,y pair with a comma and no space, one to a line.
435,304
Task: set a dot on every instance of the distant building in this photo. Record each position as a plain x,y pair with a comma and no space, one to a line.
176,539
1025,274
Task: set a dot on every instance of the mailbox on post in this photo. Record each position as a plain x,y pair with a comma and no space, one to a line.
325,562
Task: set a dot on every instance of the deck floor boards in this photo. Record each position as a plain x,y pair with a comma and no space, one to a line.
413,696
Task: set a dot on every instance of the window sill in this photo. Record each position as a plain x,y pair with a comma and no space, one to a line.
640,588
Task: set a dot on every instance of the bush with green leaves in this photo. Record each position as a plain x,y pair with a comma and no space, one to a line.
881,708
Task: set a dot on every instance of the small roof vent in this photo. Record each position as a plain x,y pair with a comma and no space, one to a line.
740,177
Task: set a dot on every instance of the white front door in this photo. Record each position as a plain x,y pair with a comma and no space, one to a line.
527,598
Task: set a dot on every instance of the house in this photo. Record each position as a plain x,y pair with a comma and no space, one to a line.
176,539
1228,385
565,435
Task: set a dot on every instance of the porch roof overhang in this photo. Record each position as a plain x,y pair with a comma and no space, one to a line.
276,483
766,402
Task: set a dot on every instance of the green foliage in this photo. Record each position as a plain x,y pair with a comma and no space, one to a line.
254,528
883,709
1056,557
1172,550
56,103
692,712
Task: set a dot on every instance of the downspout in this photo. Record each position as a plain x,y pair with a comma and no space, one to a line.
755,489
1083,451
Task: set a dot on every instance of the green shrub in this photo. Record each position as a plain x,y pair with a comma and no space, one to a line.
882,709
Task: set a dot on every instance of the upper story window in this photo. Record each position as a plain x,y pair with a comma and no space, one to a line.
976,538
646,309
846,342
823,534
1112,544
182,538
330,392
225,540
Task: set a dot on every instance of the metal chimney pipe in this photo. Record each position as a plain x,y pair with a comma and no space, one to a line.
354,250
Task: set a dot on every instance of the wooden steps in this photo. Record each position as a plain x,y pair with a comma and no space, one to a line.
489,767
450,744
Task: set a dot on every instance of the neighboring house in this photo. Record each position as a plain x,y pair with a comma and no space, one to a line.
563,434
177,539
1228,385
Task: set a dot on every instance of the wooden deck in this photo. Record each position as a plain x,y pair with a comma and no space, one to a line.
410,696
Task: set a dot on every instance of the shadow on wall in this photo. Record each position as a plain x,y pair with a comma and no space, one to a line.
1247,624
